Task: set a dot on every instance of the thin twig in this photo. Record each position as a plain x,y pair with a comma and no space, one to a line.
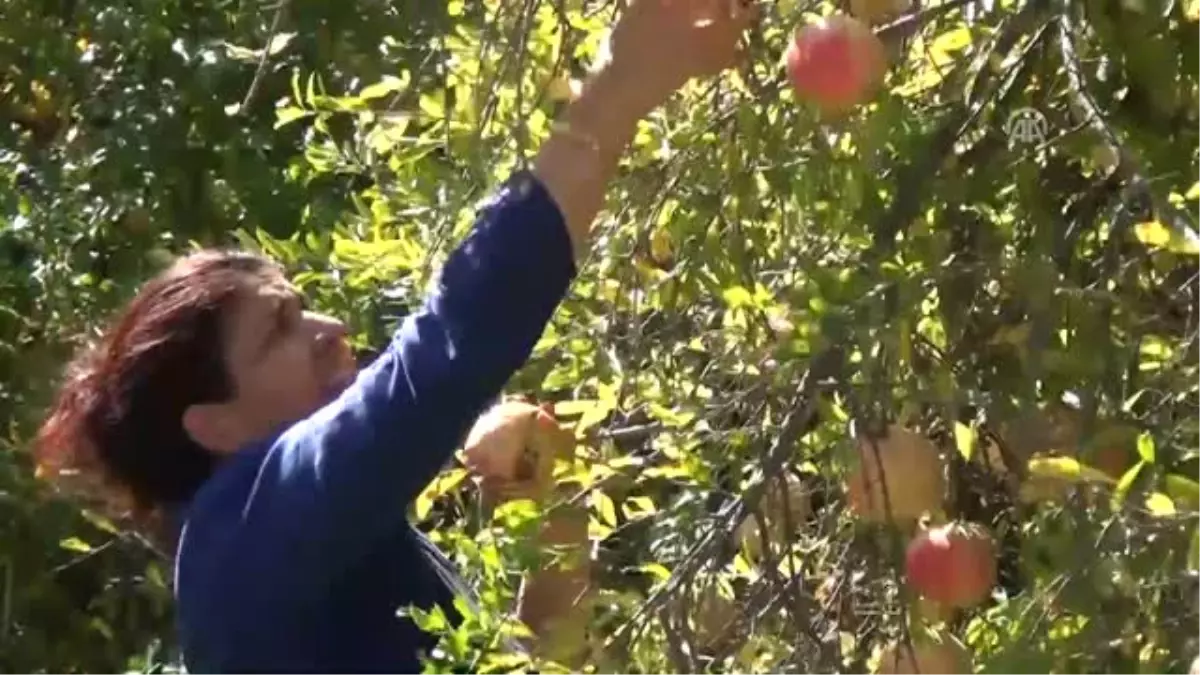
261,71
912,22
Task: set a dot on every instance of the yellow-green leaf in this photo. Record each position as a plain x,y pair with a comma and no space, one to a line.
513,514
605,508
1126,483
100,521
575,407
737,296
951,40
1145,447
75,544
595,415
1159,504
442,485
670,417
639,507
964,440
388,85
1156,234
656,570
670,472
289,114
1066,468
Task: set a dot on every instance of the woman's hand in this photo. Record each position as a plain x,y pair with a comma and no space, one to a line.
657,46
662,44
512,450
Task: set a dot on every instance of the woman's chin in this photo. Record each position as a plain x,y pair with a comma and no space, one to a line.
339,384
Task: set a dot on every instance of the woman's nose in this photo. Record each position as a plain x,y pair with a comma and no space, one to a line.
322,323
327,331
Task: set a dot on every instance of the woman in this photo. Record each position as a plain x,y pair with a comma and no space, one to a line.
218,403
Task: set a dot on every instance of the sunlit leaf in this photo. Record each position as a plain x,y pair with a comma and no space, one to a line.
1067,469
1145,447
1155,234
964,440
606,510
75,544
1159,504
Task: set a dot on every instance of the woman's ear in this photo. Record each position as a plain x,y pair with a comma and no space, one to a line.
210,425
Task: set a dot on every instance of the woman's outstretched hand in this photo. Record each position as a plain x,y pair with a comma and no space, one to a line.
663,44
657,47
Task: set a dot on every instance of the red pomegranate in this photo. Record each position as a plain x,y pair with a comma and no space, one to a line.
954,564
835,62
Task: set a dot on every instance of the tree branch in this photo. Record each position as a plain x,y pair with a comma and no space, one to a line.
1084,107
261,70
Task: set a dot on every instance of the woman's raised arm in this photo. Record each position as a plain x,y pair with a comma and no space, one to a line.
331,485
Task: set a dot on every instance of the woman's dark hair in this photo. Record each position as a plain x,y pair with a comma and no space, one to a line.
115,430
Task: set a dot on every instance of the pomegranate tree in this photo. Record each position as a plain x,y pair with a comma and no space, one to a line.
954,564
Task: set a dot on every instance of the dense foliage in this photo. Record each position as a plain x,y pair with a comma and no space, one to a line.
765,284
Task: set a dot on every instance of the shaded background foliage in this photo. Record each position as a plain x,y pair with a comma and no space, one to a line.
762,280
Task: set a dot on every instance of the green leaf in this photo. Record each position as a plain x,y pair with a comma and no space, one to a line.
1145,447
1194,553
1182,489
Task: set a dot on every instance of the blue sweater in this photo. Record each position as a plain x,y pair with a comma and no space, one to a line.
297,554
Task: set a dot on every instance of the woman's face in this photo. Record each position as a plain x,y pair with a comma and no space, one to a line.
286,363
